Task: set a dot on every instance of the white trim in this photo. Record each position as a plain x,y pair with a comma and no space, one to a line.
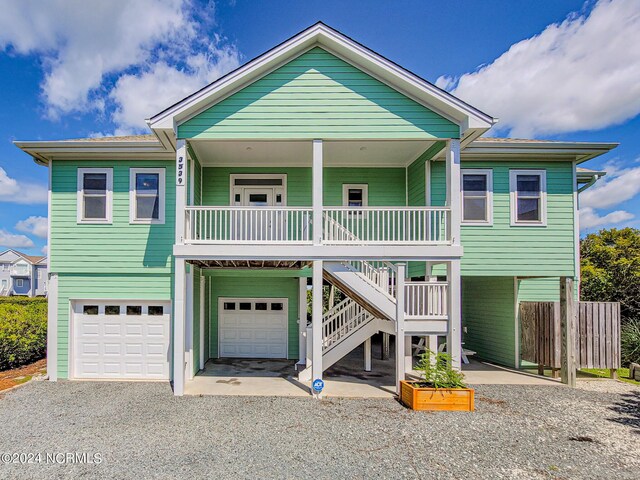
133,196
302,318
254,300
181,195
277,190
49,199
488,173
317,190
361,186
513,197
19,282
52,328
202,294
109,196
189,327
576,229
192,183
427,183
516,294
178,322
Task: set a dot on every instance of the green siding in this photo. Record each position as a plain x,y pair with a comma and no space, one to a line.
386,185
518,251
117,248
539,290
318,95
101,286
250,287
488,313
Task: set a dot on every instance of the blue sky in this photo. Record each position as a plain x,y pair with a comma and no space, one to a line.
556,69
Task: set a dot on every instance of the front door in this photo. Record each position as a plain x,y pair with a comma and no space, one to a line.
259,224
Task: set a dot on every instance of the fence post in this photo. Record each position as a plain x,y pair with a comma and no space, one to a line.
567,326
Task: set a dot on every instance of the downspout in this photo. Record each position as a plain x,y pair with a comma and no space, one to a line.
593,180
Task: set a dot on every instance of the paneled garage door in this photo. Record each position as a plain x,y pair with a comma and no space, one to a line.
121,340
252,327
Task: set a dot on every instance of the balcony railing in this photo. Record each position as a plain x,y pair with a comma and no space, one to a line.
341,225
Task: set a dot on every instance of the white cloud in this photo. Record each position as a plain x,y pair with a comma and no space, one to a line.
10,240
589,218
15,191
37,226
85,46
618,186
45,250
580,74
139,96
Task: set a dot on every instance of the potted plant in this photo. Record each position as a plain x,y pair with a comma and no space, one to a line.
441,388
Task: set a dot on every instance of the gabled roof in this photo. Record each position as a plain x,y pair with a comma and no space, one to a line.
32,259
406,82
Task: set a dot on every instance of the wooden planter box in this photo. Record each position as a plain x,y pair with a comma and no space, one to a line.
424,398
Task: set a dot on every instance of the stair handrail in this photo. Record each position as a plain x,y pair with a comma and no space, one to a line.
337,324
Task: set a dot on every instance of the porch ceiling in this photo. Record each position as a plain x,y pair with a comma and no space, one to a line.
379,153
251,264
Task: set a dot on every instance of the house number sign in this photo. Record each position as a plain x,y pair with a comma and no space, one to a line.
180,171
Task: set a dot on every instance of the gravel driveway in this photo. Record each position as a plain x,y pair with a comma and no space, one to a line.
141,431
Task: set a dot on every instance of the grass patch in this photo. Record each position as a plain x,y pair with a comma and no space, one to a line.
623,374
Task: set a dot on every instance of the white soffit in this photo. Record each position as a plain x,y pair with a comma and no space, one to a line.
215,153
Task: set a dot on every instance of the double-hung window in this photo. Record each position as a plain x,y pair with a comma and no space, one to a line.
477,196
355,195
146,195
528,191
95,195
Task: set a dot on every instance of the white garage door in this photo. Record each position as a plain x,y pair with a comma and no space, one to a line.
252,327
121,340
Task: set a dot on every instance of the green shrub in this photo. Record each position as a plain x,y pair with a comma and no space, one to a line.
437,371
23,332
22,300
630,342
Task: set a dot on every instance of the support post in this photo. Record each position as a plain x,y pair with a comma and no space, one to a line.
181,190
408,355
316,324
567,327
179,312
454,335
189,323
202,318
400,365
317,175
367,355
453,188
384,352
432,343
302,319
52,327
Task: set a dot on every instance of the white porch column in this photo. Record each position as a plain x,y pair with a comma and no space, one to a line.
179,314
453,188
202,293
317,191
189,323
454,337
302,319
316,323
367,355
181,189
400,353
52,327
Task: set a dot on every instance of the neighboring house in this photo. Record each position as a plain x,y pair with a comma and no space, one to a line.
318,159
22,274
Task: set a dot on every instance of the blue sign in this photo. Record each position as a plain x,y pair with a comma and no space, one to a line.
318,385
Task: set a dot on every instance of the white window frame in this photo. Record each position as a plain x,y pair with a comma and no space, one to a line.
19,283
513,196
345,193
488,173
161,196
277,190
80,202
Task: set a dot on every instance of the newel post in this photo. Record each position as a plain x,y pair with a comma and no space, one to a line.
568,332
400,350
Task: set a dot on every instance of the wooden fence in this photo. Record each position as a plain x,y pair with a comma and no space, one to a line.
597,335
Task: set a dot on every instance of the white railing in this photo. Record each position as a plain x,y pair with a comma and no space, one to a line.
342,320
379,273
386,225
19,271
426,300
206,224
